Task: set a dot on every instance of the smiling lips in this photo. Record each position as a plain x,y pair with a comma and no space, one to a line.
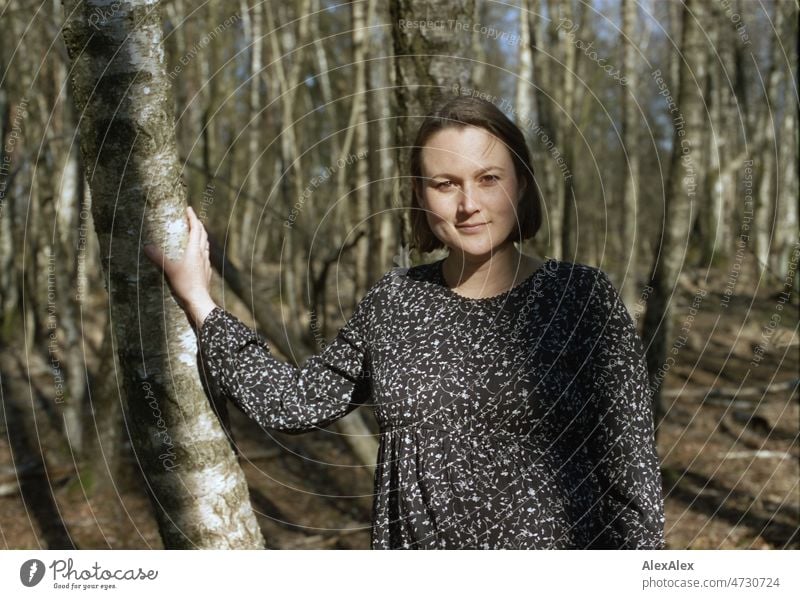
470,228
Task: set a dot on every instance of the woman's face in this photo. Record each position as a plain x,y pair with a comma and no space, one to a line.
468,178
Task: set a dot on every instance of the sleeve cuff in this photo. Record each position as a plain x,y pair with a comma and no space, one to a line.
222,331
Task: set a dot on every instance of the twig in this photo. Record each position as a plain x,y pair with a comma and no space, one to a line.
758,453
708,395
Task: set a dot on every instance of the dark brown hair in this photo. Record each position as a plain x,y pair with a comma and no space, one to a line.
462,111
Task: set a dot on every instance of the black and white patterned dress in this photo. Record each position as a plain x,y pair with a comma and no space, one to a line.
516,421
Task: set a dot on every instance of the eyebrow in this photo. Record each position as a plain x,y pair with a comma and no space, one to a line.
475,174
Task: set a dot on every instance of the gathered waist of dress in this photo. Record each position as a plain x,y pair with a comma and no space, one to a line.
457,429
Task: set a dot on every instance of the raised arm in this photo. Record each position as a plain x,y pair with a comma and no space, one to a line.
237,362
621,438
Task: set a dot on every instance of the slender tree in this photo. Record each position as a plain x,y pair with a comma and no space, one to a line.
763,138
124,97
680,199
629,260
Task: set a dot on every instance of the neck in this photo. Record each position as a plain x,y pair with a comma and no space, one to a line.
486,276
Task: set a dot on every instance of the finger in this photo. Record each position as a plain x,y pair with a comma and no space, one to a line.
194,227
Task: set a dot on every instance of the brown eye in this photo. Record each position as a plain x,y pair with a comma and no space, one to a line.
491,178
443,185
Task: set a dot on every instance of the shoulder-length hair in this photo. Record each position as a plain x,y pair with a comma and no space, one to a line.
462,111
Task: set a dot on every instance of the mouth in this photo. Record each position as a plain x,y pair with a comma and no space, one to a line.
470,227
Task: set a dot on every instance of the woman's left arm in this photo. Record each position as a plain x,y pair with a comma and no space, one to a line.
621,436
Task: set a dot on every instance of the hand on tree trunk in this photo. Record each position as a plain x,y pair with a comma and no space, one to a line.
190,277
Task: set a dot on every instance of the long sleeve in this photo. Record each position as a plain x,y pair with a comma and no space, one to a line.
621,438
238,364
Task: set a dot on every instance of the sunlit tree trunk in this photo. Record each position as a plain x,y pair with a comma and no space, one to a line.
629,259
120,86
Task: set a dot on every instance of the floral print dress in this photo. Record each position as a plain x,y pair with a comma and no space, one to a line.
521,420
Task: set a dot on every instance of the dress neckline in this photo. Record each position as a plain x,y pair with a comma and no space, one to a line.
439,275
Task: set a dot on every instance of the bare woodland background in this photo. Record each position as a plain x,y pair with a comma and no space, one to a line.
286,126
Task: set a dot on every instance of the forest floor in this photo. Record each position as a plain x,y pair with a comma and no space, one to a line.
730,466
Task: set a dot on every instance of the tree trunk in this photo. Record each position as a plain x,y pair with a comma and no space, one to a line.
570,98
547,149
283,42
766,199
680,199
718,212
353,179
628,263
120,86
10,313
525,82
788,198
103,425
248,217
382,242
67,218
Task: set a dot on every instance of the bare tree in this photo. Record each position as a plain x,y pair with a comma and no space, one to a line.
383,169
629,263
680,195
289,39
121,90
764,211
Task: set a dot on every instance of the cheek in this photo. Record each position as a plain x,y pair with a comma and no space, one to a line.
436,209
435,221
503,203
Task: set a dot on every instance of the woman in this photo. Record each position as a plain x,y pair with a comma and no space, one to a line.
511,392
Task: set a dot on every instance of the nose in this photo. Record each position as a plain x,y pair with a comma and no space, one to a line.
468,199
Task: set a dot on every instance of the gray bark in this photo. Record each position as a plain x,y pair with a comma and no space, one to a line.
764,137
549,176
680,197
629,263
283,41
718,213
786,239
571,94
9,291
353,427
383,171
525,83
247,219
120,86
788,196
103,425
